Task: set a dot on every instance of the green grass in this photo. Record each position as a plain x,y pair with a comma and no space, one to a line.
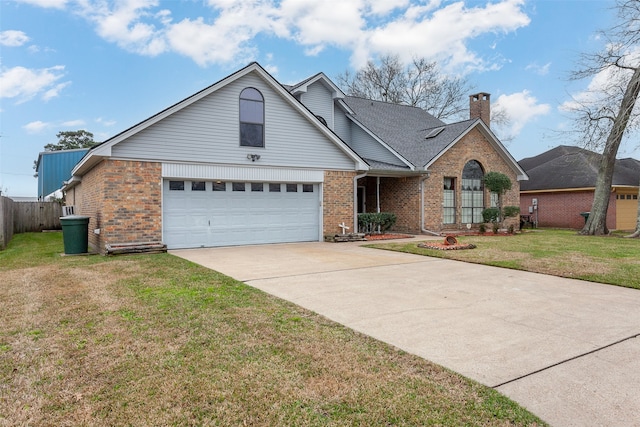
156,340
610,260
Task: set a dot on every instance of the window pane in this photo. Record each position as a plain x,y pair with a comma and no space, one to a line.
176,185
251,135
198,186
257,186
238,186
292,188
219,186
251,93
307,188
274,188
472,170
251,111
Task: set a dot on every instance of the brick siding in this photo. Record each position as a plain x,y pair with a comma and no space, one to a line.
402,195
474,146
561,209
338,201
123,200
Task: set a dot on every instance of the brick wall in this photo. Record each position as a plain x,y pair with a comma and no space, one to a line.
473,146
87,199
123,200
338,201
562,209
400,196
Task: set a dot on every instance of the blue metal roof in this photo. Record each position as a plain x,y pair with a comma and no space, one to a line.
54,167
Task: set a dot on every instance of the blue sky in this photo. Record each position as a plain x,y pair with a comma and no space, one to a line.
105,65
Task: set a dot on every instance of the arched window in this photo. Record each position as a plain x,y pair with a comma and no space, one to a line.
472,193
251,118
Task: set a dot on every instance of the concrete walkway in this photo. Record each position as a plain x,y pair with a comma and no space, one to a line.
567,350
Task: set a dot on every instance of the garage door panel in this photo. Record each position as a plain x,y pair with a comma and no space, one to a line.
224,218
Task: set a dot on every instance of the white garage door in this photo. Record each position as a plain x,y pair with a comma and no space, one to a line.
211,213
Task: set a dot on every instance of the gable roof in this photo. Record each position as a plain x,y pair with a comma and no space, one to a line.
103,150
574,167
418,136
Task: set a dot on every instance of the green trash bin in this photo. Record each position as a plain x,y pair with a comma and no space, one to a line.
585,215
75,234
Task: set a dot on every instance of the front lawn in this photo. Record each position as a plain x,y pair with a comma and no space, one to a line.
611,260
151,340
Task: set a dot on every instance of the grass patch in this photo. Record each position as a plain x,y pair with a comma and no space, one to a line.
156,340
610,260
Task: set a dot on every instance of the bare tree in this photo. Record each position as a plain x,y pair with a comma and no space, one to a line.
608,110
419,84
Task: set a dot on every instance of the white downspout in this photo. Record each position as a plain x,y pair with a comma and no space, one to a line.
424,230
355,198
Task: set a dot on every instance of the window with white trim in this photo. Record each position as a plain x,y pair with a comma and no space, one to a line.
251,118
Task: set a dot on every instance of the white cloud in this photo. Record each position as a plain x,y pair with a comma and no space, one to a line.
104,122
447,31
541,70
74,123
36,127
13,38
54,4
604,87
24,83
522,108
366,28
123,24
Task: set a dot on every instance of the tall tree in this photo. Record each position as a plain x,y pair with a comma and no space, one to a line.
608,111
68,140
419,84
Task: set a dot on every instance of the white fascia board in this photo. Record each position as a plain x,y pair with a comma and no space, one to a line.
343,105
337,93
381,142
521,175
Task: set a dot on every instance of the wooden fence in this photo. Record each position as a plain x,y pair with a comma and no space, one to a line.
24,217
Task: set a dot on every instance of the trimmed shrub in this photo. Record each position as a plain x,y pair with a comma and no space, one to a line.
510,211
491,215
376,222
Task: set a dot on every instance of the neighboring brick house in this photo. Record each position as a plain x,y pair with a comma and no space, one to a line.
562,183
248,160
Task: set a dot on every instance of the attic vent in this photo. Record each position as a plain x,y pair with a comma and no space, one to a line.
322,120
434,132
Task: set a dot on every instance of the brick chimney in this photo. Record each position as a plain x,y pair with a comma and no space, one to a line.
480,107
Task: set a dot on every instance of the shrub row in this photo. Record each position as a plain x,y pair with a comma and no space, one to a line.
376,222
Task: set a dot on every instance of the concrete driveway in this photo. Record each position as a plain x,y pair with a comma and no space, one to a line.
567,350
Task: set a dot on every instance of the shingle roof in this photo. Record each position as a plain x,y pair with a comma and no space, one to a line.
573,167
385,166
404,128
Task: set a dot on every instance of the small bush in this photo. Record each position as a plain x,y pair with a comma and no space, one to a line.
482,229
490,215
495,227
372,222
510,211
